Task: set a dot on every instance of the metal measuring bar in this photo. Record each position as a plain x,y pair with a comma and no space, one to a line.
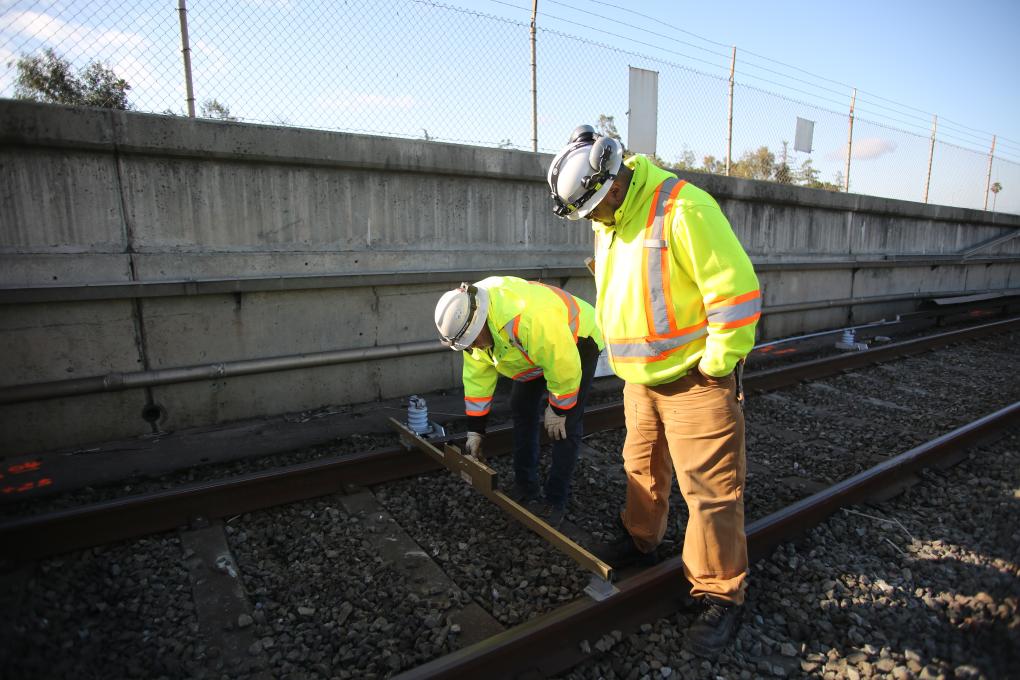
483,478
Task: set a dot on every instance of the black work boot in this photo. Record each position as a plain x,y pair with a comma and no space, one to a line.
621,552
714,628
525,493
553,514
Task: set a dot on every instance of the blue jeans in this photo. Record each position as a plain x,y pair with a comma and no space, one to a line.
528,402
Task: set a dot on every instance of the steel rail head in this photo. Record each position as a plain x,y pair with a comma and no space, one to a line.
554,641
56,533
783,376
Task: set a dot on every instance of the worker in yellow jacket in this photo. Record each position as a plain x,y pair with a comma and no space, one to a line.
545,340
677,302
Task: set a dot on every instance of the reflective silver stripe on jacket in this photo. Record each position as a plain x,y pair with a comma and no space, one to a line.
653,274
477,406
530,374
737,312
563,402
514,340
653,348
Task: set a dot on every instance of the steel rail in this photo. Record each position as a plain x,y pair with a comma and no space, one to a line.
62,531
762,381
552,643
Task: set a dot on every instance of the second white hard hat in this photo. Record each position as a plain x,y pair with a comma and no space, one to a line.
582,173
461,314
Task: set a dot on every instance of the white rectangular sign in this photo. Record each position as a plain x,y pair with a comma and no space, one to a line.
644,111
805,133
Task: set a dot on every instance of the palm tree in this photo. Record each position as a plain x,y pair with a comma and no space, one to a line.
995,189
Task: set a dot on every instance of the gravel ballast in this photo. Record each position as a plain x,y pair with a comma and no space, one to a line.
924,585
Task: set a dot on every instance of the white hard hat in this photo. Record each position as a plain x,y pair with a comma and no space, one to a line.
461,314
582,173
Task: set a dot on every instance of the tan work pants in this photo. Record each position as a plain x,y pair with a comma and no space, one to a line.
695,425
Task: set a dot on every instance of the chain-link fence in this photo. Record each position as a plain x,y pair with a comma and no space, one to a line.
427,70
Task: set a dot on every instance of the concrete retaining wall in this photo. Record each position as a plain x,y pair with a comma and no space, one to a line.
94,201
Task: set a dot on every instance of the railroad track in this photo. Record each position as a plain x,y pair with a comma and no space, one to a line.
556,638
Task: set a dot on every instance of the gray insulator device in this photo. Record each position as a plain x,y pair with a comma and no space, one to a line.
418,419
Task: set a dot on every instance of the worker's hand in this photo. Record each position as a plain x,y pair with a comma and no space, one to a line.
473,447
716,378
555,425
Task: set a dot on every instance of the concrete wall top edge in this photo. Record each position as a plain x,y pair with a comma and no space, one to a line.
750,190
27,122
35,124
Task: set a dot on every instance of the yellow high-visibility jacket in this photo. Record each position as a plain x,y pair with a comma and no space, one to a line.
676,290
534,329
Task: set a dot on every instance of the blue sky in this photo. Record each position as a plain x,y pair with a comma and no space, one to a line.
957,61
908,59
441,70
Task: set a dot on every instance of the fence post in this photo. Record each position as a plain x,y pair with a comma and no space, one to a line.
988,181
931,154
850,141
729,123
534,81
186,51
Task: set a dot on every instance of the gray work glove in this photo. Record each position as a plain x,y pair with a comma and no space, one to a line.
473,447
555,425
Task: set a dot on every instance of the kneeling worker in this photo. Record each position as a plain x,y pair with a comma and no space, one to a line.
542,338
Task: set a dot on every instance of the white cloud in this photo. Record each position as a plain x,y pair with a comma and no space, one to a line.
872,147
77,40
209,60
134,71
866,148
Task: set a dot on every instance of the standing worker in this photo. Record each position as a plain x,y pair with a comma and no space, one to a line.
543,339
677,301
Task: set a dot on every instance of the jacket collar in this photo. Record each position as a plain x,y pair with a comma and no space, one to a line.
646,179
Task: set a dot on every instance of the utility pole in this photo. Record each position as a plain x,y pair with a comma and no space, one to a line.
850,141
534,81
729,124
988,182
186,51
931,154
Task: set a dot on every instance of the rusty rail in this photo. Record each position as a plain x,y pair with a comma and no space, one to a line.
552,643
62,531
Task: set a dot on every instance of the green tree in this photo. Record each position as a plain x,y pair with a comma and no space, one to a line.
783,174
995,189
606,126
685,163
758,164
712,165
51,78
837,183
807,175
212,108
